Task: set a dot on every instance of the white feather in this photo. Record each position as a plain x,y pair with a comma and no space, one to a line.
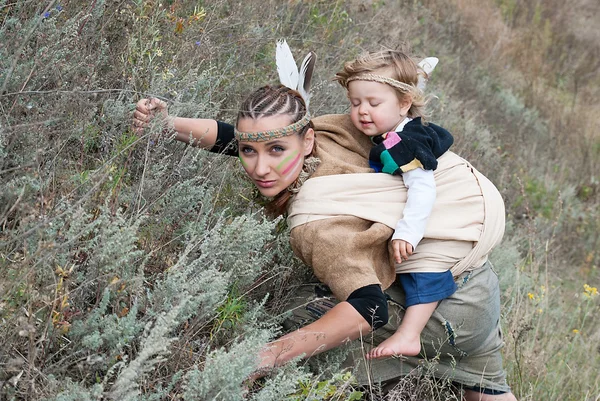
286,65
427,66
288,70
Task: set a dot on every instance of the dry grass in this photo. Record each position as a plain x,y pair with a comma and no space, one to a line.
518,85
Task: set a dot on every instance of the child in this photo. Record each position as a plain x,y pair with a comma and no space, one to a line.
387,104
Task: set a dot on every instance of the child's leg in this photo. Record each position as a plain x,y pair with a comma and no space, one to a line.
407,339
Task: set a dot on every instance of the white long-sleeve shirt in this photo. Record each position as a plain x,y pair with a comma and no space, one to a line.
421,193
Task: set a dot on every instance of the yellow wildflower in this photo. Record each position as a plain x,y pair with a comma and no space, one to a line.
531,295
575,331
589,292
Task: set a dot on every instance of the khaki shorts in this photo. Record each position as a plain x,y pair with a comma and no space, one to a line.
461,343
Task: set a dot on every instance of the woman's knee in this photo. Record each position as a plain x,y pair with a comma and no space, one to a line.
371,303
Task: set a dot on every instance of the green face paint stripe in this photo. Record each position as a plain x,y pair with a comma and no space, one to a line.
287,159
242,161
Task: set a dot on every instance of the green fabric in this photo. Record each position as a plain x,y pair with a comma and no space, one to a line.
461,343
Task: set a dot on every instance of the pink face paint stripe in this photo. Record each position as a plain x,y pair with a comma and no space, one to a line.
287,159
293,170
291,165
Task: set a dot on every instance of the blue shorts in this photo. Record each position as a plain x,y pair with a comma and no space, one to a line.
424,288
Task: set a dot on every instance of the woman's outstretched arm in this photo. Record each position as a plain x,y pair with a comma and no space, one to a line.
200,132
339,325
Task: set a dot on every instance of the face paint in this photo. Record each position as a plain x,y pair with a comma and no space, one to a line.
286,164
244,165
294,170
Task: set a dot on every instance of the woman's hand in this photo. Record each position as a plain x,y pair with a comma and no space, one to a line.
146,110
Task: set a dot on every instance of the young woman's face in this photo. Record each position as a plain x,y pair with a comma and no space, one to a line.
375,108
273,165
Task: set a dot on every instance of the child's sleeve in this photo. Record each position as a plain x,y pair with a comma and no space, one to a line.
416,146
420,199
398,153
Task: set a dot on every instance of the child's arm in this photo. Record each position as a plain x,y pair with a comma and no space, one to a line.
420,199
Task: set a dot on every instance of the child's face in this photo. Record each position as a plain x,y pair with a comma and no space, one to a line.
375,107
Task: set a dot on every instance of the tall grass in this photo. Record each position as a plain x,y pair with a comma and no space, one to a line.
139,268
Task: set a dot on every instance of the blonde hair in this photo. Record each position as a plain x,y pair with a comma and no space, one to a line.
403,69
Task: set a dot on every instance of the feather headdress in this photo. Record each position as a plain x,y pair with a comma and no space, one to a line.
288,70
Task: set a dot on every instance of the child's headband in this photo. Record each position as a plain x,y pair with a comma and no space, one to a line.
426,66
382,80
290,77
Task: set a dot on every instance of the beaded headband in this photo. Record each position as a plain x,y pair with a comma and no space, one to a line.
383,80
269,135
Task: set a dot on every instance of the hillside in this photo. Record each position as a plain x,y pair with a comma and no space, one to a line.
135,267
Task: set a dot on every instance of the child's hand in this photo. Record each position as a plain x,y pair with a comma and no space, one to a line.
402,250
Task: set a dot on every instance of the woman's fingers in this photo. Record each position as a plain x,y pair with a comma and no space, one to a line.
157,105
140,120
138,127
139,123
149,107
145,110
403,250
142,116
142,106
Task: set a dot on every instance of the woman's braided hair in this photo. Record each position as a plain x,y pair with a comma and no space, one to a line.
270,101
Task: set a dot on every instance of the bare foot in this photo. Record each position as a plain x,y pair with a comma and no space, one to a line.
397,344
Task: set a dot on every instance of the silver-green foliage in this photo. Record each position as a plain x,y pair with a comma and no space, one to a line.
155,345
223,371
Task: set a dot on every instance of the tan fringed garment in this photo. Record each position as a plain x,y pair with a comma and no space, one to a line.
342,224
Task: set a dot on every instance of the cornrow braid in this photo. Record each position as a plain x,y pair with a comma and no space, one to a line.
273,100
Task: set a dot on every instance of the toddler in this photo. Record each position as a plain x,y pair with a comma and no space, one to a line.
388,104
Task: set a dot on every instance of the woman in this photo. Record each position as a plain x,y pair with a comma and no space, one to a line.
276,143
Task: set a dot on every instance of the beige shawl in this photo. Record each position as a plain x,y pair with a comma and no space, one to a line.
341,224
